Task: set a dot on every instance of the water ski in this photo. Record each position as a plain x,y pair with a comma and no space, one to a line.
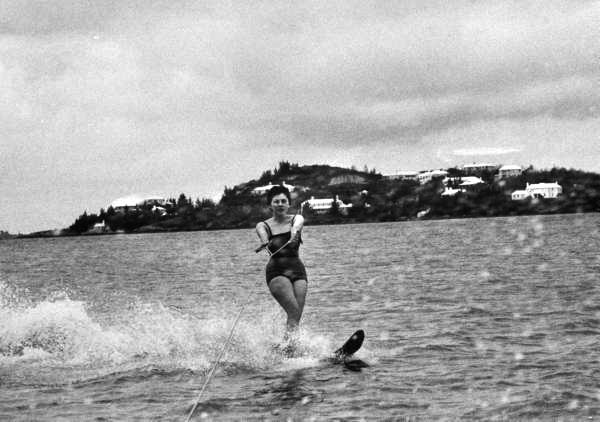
341,355
350,347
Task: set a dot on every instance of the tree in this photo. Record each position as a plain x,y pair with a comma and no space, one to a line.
284,168
182,201
335,210
83,223
309,213
204,203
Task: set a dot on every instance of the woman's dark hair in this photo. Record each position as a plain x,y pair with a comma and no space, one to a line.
276,190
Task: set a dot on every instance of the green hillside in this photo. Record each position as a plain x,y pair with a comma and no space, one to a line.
372,197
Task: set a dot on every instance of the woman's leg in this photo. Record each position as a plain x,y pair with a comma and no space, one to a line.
300,288
284,292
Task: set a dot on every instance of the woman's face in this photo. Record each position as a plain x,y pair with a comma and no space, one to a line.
280,204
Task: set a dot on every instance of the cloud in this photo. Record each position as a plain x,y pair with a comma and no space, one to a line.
362,77
485,151
317,71
114,93
544,141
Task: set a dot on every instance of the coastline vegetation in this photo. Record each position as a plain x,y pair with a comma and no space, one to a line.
373,197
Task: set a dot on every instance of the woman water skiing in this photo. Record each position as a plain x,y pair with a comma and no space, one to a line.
285,272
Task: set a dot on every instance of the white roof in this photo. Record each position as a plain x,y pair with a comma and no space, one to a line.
319,201
324,202
510,167
464,180
133,200
433,173
451,192
270,185
543,185
470,180
405,173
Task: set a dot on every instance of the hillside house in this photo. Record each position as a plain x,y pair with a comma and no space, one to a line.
99,228
402,175
428,176
478,168
546,190
135,201
451,191
509,170
323,205
261,190
519,195
538,190
455,185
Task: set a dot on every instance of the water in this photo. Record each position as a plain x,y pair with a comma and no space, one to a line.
484,319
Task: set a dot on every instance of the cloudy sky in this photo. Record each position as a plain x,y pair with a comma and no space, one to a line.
106,98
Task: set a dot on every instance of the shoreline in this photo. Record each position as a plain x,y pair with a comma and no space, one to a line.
47,235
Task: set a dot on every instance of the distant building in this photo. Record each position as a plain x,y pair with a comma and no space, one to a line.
428,176
476,168
509,170
160,210
354,179
134,201
463,181
323,205
455,185
452,191
260,190
99,228
519,195
470,181
546,190
402,175
537,190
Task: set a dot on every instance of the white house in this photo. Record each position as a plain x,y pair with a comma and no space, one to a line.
470,181
547,190
544,190
134,201
464,184
260,190
402,175
509,170
451,191
479,167
323,205
161,210
519,194
427,176
99,228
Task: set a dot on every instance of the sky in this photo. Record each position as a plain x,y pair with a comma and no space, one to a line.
108,98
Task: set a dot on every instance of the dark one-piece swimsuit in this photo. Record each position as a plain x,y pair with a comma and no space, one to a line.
286,262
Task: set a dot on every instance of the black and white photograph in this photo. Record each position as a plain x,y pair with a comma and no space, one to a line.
269,210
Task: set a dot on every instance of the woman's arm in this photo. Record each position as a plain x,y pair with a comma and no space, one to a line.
261,231
297,226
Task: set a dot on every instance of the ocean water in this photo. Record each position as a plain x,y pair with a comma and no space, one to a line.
475,319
